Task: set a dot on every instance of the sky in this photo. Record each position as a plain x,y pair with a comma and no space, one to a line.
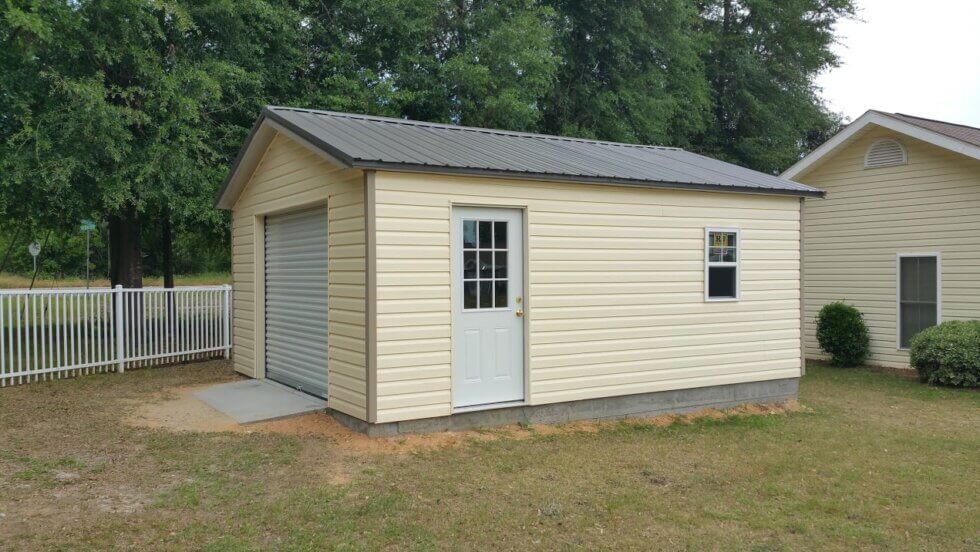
908,56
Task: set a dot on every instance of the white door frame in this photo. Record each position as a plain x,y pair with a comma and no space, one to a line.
522,291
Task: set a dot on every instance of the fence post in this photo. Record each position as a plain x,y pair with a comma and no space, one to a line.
227,321
120,325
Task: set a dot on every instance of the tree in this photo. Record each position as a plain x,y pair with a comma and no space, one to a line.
130,111
762,59
630,72
127,107
474,62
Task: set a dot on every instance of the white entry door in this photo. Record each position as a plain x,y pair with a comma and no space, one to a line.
488,306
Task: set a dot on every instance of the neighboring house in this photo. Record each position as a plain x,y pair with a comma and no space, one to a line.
424,276
898,234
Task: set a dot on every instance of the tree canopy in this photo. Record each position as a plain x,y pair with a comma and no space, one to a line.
130,111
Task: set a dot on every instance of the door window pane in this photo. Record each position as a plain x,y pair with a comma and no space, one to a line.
486,264
500,234
485,234
469,234
500,294
486,294
918,296
500,264
469,295
469,264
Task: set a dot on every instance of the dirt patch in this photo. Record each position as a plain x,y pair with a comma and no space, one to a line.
180,410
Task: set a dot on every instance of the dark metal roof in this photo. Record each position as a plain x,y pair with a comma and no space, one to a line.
968,134
370,142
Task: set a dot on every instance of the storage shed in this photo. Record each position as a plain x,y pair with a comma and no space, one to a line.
896,235
424,276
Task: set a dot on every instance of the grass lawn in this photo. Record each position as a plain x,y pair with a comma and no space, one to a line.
877,461
9,281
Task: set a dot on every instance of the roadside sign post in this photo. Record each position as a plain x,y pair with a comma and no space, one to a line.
34,249
87,227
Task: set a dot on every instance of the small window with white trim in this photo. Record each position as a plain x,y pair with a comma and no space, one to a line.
918,295
721,260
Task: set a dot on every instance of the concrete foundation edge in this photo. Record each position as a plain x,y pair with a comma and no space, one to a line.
608,408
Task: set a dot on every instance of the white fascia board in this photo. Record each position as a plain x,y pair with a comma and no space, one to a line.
883,120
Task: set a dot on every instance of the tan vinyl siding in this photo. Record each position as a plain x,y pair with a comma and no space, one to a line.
616,298
289,177
852,238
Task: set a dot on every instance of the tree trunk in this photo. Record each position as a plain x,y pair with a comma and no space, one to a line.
168,251
124,244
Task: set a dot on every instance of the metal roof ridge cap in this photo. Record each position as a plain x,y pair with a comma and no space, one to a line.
484,130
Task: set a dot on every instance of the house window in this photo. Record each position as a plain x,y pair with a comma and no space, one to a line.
918,295
721,259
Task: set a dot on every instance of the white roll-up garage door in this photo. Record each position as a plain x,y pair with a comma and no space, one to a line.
296,300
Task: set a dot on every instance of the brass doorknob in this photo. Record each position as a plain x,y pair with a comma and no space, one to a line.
519,313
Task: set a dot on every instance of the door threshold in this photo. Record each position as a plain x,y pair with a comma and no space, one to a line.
488,406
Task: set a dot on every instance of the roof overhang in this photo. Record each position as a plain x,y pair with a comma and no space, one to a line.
259,138
270,123
856,128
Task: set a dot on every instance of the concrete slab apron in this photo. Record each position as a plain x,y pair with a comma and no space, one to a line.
251,401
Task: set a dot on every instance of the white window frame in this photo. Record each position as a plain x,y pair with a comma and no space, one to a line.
737,264
898,292
493,275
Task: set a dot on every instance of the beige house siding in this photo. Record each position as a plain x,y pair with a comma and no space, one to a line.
291,177
616,299
853,237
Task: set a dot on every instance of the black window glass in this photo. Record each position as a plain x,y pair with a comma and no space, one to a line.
500,294
918,297
469,234
469,264
469,295
721,281
485,237
486,264
500,234
500,264
486,294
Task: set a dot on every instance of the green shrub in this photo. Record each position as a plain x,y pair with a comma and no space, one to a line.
842,333
948,354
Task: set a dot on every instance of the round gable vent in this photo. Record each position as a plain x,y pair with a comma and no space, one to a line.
885,153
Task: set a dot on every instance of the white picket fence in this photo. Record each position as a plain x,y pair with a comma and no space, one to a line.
54,333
